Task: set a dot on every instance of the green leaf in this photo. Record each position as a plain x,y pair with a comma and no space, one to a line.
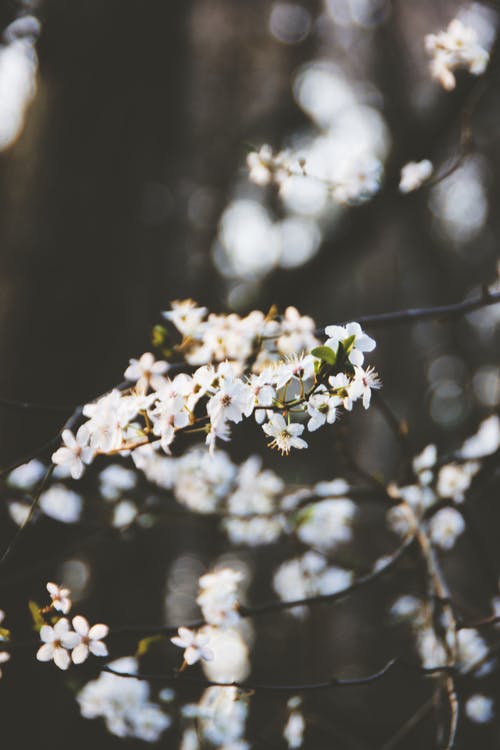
159,335
325,354
36,615
348,343
4,634
145,644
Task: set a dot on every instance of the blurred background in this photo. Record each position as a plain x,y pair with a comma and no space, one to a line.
124,130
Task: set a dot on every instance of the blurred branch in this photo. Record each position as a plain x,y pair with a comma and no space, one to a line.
308,686
278,606
414,315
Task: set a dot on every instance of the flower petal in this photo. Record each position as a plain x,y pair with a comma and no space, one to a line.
191,655
80,653
70,640
98,648
81,625
47,633
98,632
61,627
61,658
45,652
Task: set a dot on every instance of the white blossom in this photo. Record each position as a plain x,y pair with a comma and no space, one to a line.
265,166
108,417
146,372
322,408
362,342
363,383
194,643
75,452
60,597
115,479
293,731
425,460
123,703
472,649
90,639
327,523
218,596
445,527
457,47
408,607
414,174
222,713
430,647
233,400
480,708
486,440
27,475
61,503
454,479
285,436
186,316
57,642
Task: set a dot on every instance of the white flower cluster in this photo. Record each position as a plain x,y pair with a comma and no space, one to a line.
219,604
59,639
448,482
220,717
221,713
254,503
115,484
265,167
471,648
357,179
457,47
306,576
243,371
124,704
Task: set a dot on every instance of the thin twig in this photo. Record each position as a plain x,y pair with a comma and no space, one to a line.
278,606
260,686
413,315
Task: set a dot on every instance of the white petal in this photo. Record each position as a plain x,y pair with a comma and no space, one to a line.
186,634
70,640
98,648
191,655
98,632
45,652
61,658
61,627
80,653
47,633
77,468
81,625
178,642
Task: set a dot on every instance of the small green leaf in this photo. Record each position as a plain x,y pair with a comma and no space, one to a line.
4,634
325,354
303,515
348,343
36,615
145,644
159,335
